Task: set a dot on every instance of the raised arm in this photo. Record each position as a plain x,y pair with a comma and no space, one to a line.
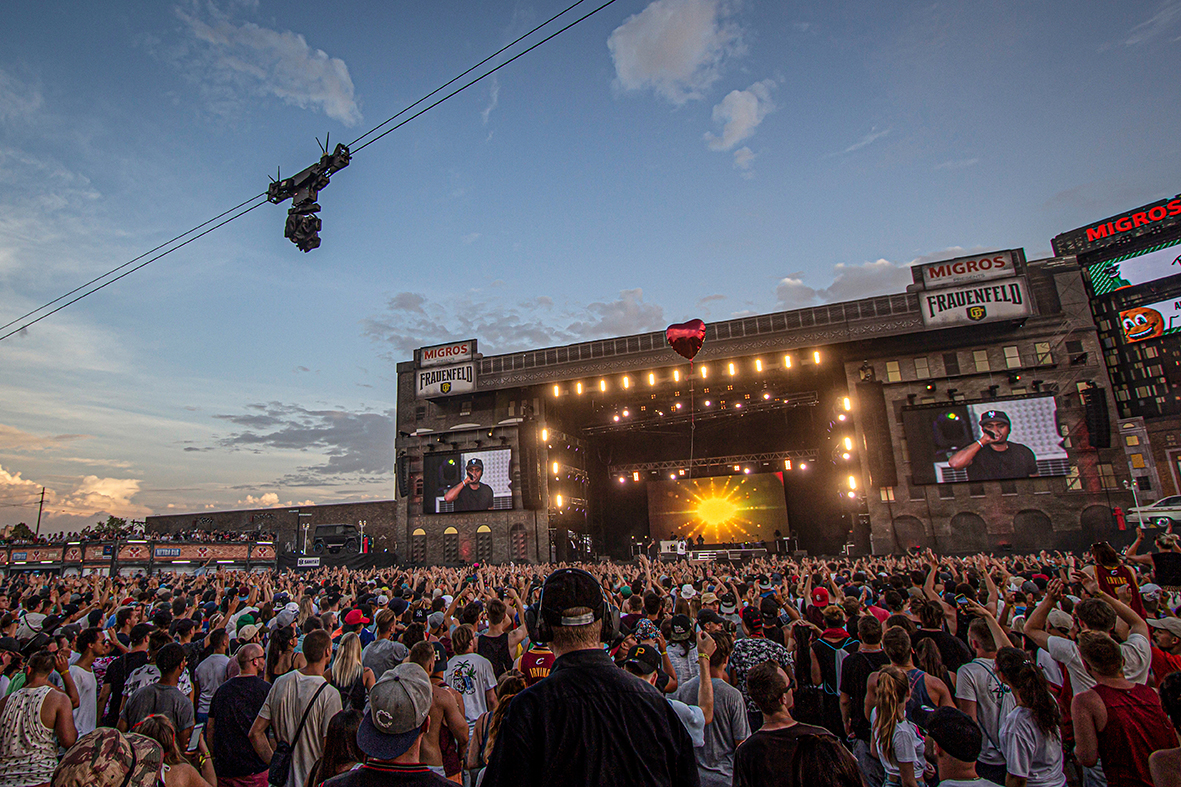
1035,624
705,684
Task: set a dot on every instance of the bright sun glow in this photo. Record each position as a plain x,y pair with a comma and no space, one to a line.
715,511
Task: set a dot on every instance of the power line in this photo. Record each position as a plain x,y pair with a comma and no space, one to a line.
425,109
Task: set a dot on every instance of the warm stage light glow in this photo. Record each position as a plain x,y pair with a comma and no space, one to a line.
636,475
622,480
617,419
846,456
852,482
678,405
841,417
626,413
731,370
758,364
766,396
704,372
672,476
676,375
558,500
707,402
847,403
578,387
721,508
803,466
603,385
556,467
557,390
627,383
747,471
715,511
816,356
787,362
737,468
544,435
848,443
787,464
651,378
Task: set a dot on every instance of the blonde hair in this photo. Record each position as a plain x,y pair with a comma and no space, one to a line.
893,691
346,667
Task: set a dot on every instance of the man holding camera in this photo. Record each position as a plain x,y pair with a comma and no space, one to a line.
471,494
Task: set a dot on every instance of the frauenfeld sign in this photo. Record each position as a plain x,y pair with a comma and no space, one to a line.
443,354
445,380
961,270
975,303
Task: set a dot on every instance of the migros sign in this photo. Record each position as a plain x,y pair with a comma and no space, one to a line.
1139,221
963,270
443,354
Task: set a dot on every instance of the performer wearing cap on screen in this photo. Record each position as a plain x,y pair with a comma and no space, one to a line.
993,457
470,494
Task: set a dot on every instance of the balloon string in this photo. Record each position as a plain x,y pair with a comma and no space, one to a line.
692,416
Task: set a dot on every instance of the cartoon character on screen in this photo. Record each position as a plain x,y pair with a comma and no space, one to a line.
470,494
993,457
1142,323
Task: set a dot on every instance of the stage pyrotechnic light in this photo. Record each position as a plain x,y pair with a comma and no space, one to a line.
556,468
787,362
852,482
603,385
676,375
558,500
651,378
704,372
816,356
731,369
578,387
847,403
848,443
627,383
636,475
557,391
544,435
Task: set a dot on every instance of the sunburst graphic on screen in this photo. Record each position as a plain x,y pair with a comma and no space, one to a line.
722,509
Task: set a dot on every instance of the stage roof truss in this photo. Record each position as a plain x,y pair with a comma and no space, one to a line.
777,457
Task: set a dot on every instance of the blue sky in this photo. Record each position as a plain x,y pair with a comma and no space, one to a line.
658,162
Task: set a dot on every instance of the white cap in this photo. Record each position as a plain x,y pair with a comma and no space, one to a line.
687,591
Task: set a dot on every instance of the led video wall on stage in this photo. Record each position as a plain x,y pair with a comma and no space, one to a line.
485,475
723,509
943,447
1131,269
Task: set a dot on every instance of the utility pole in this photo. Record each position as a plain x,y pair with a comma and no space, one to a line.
40,507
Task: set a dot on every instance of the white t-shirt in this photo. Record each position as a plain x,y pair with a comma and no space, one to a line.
471,675
908,747
86,714
693,718
1029,753
285,706
1137,652
1049,667
977,681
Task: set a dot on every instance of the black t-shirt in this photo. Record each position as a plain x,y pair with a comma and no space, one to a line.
116,678
952,650
764,759
1167,568
232,710
1017,461
389,775
855,672
478,499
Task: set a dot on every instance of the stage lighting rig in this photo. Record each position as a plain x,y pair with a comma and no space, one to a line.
303,225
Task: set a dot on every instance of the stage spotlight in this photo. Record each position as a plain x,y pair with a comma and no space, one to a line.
676,375
556,468
852,495
651,378
738,405
787,362
544,435
847,403
846,456
636,475
737,468
852,482
766,396
616,419
816,356
803,466
622,480
758,364
557,391
707,402
681,472
627,383
787,464
746,470
842,417
578,387
558,500
626,413
603,385
704,372
848,443
678,405
731,369
672,476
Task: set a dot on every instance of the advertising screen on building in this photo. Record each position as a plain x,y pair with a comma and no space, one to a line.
1129,270
1151,321
467,481
723,509
995,440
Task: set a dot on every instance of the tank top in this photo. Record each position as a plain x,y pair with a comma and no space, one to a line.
1112,579
919,697
536,664
495,649
1136,727
28,749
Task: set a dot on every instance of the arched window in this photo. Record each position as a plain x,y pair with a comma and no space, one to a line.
970,533
518,544
450,545
418,545
483,543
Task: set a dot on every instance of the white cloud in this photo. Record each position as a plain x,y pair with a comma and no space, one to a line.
963,163
18,100
744,157
675,47
260,61
89,497
1159,23
850,282
866,140
740,113
493,99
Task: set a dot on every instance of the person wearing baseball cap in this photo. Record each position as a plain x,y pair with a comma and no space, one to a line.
391,733
471,494
1166,647
992,456
589,722
955,741
749,652
644,661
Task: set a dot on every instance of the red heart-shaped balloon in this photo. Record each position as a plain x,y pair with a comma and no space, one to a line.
686,337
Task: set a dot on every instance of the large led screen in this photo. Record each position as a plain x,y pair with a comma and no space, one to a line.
723,509
1139,267
1151,321
996,440
467,481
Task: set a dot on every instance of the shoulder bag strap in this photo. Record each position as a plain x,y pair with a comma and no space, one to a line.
307,710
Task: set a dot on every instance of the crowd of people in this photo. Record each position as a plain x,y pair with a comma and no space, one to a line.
1025,671
135,531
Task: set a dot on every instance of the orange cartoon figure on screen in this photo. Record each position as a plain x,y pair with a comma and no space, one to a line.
1142,323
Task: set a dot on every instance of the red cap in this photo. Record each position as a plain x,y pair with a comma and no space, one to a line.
355,618
820,597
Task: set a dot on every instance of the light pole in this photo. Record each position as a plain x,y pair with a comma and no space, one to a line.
1135,499
361,527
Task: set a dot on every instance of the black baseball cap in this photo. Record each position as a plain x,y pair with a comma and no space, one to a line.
567,588
991,416
645,658
709,616
956,733
478,464
682,628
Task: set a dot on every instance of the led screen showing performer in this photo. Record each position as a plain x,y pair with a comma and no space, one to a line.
723,509
468,481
